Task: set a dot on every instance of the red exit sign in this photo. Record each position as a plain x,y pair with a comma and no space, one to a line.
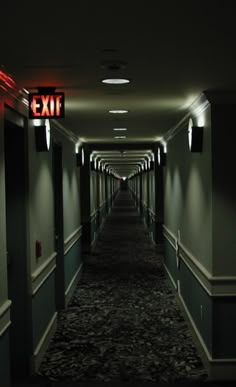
46,105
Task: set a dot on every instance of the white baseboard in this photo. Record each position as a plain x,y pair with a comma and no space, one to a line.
43,344
170,276
222,369
71,288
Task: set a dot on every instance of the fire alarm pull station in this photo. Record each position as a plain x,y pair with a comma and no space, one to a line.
38,249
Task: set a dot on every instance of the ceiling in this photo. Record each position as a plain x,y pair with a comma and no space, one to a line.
170,51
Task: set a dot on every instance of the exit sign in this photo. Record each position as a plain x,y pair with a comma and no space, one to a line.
46,104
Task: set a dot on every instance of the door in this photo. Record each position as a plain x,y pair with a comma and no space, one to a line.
59,227
16,227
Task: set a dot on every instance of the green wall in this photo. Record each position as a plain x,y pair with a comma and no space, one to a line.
72,262
43,308
188,192
4,360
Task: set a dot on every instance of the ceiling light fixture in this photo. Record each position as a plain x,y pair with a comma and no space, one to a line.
117,111
115,81
119,137
120,129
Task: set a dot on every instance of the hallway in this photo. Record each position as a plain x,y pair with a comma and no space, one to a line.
123,322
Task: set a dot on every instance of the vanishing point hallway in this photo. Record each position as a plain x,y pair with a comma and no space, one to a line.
123,322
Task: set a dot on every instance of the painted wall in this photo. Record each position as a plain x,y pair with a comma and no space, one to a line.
71,192
41,202
144,189
199,197
224,189
3,268
4,360
188,193
101,189
4,319
151,191
71,213
93,191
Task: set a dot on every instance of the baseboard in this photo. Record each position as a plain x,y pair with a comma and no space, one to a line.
43,344
5,316
222,369
71,288
170,277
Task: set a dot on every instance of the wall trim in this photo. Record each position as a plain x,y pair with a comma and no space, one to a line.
71,287
215,286
40,275
170,276
102,205
72,239
197,107
93,215
43,343
65,132
152,213
94,240
218,368
5,317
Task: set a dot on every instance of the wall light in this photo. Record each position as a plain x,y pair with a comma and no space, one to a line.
93,166
151,165
42,135
80,158
161,156
195,137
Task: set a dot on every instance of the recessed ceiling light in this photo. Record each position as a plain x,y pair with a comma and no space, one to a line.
117,111
120,129
109,49
119,137
115,81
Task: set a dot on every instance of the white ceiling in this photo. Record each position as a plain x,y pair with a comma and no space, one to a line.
170,50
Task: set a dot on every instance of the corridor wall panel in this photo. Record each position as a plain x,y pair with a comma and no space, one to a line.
41,202
71,194
44,318
93,201
41,229
188,194
71,215
40,261
224,189
4,302
3,257
4,360
199,225
73,265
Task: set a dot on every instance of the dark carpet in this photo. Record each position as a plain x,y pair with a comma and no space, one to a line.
123,325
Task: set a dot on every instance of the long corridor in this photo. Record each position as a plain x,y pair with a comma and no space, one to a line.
123,322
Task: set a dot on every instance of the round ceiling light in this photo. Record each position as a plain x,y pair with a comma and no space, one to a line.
115,81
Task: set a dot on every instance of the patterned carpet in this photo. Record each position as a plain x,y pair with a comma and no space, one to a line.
123,323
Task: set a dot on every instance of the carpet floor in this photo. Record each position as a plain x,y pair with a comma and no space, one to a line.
123,323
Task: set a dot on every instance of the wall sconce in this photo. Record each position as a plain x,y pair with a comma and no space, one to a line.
195,137
80,158
161,156
151,165
42,135
93,166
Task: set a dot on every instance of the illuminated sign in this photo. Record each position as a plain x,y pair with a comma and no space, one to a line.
46,104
